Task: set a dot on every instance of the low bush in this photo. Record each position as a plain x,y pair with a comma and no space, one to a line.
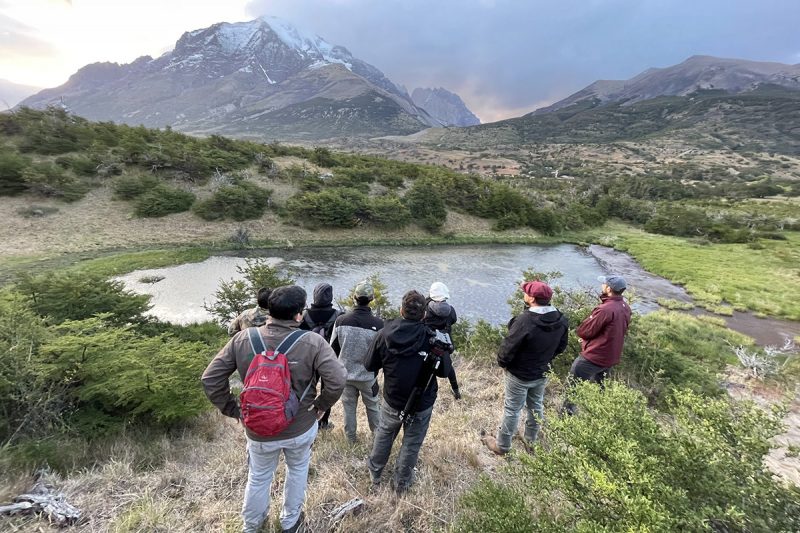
619,466
130,186
163,200
51,180
240,201
389,211
337,208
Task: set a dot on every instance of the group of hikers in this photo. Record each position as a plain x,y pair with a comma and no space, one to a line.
281,349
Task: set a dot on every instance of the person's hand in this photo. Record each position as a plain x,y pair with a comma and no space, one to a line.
317,412
456,394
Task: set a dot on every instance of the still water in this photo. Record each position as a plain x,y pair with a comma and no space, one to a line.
481,278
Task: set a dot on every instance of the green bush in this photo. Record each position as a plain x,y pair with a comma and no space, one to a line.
162,200
61,296
338,208
426,204
12,173
619,466
130,186
241,201
48,179
389,211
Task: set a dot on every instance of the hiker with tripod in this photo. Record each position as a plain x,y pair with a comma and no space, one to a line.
411,356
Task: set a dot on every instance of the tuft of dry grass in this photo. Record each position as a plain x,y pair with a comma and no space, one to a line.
195,481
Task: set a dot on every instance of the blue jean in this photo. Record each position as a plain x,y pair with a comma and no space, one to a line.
529,394
262,458
413,435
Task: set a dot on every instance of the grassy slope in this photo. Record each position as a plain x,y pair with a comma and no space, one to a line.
761,280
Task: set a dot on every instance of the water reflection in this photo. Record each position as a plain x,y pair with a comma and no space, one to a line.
481,278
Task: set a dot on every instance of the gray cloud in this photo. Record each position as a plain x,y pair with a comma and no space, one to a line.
18,40
505,57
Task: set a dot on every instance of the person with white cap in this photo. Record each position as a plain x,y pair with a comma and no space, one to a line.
602,334
440,315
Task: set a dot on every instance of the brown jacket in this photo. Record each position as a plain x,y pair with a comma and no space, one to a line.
311,358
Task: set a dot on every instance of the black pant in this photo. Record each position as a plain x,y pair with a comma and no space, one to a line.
584,370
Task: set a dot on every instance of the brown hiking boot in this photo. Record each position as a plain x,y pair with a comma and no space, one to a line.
491,443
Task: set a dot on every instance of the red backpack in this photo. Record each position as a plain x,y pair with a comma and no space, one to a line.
268,403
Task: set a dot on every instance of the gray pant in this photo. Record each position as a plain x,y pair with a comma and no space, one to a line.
413,435
350,402
529,394
262,458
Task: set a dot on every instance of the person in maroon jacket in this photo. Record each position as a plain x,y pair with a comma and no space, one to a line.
602,334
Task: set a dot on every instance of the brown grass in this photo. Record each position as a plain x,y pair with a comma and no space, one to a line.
198,483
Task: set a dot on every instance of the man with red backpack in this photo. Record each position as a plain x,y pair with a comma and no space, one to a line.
258,354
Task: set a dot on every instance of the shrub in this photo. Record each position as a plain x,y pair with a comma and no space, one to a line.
426,204
162,200
48,179
130,186
64,296
12,173
240,201
619,466
338,208
389,211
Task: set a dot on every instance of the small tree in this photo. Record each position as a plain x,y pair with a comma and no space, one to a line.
236,295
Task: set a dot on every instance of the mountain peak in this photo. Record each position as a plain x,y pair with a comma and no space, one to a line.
697,72
444,106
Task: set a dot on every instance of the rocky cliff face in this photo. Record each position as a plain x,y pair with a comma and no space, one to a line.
263,78
445,107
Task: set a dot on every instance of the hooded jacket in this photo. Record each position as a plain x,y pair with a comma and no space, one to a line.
321,311
603,332
441,316
533,340
399,350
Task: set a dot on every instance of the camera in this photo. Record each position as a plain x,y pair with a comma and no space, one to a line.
440,342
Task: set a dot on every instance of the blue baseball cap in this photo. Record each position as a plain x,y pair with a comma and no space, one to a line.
617,283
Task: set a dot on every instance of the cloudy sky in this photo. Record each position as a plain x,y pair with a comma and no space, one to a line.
504,57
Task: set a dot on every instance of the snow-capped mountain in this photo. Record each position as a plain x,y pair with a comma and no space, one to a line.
263,78
444,106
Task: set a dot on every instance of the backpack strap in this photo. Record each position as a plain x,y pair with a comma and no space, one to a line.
287,344
256,342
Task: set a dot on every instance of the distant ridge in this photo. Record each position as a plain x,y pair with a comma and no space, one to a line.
696,73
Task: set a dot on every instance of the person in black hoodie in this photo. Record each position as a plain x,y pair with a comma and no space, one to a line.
399,349
320,318
534,338
439,314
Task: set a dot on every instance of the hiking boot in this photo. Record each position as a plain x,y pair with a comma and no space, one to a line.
299,526
491,443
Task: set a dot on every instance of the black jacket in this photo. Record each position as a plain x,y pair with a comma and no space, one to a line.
442,322
396,349
533,341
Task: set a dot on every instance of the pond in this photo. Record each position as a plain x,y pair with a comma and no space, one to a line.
480,278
